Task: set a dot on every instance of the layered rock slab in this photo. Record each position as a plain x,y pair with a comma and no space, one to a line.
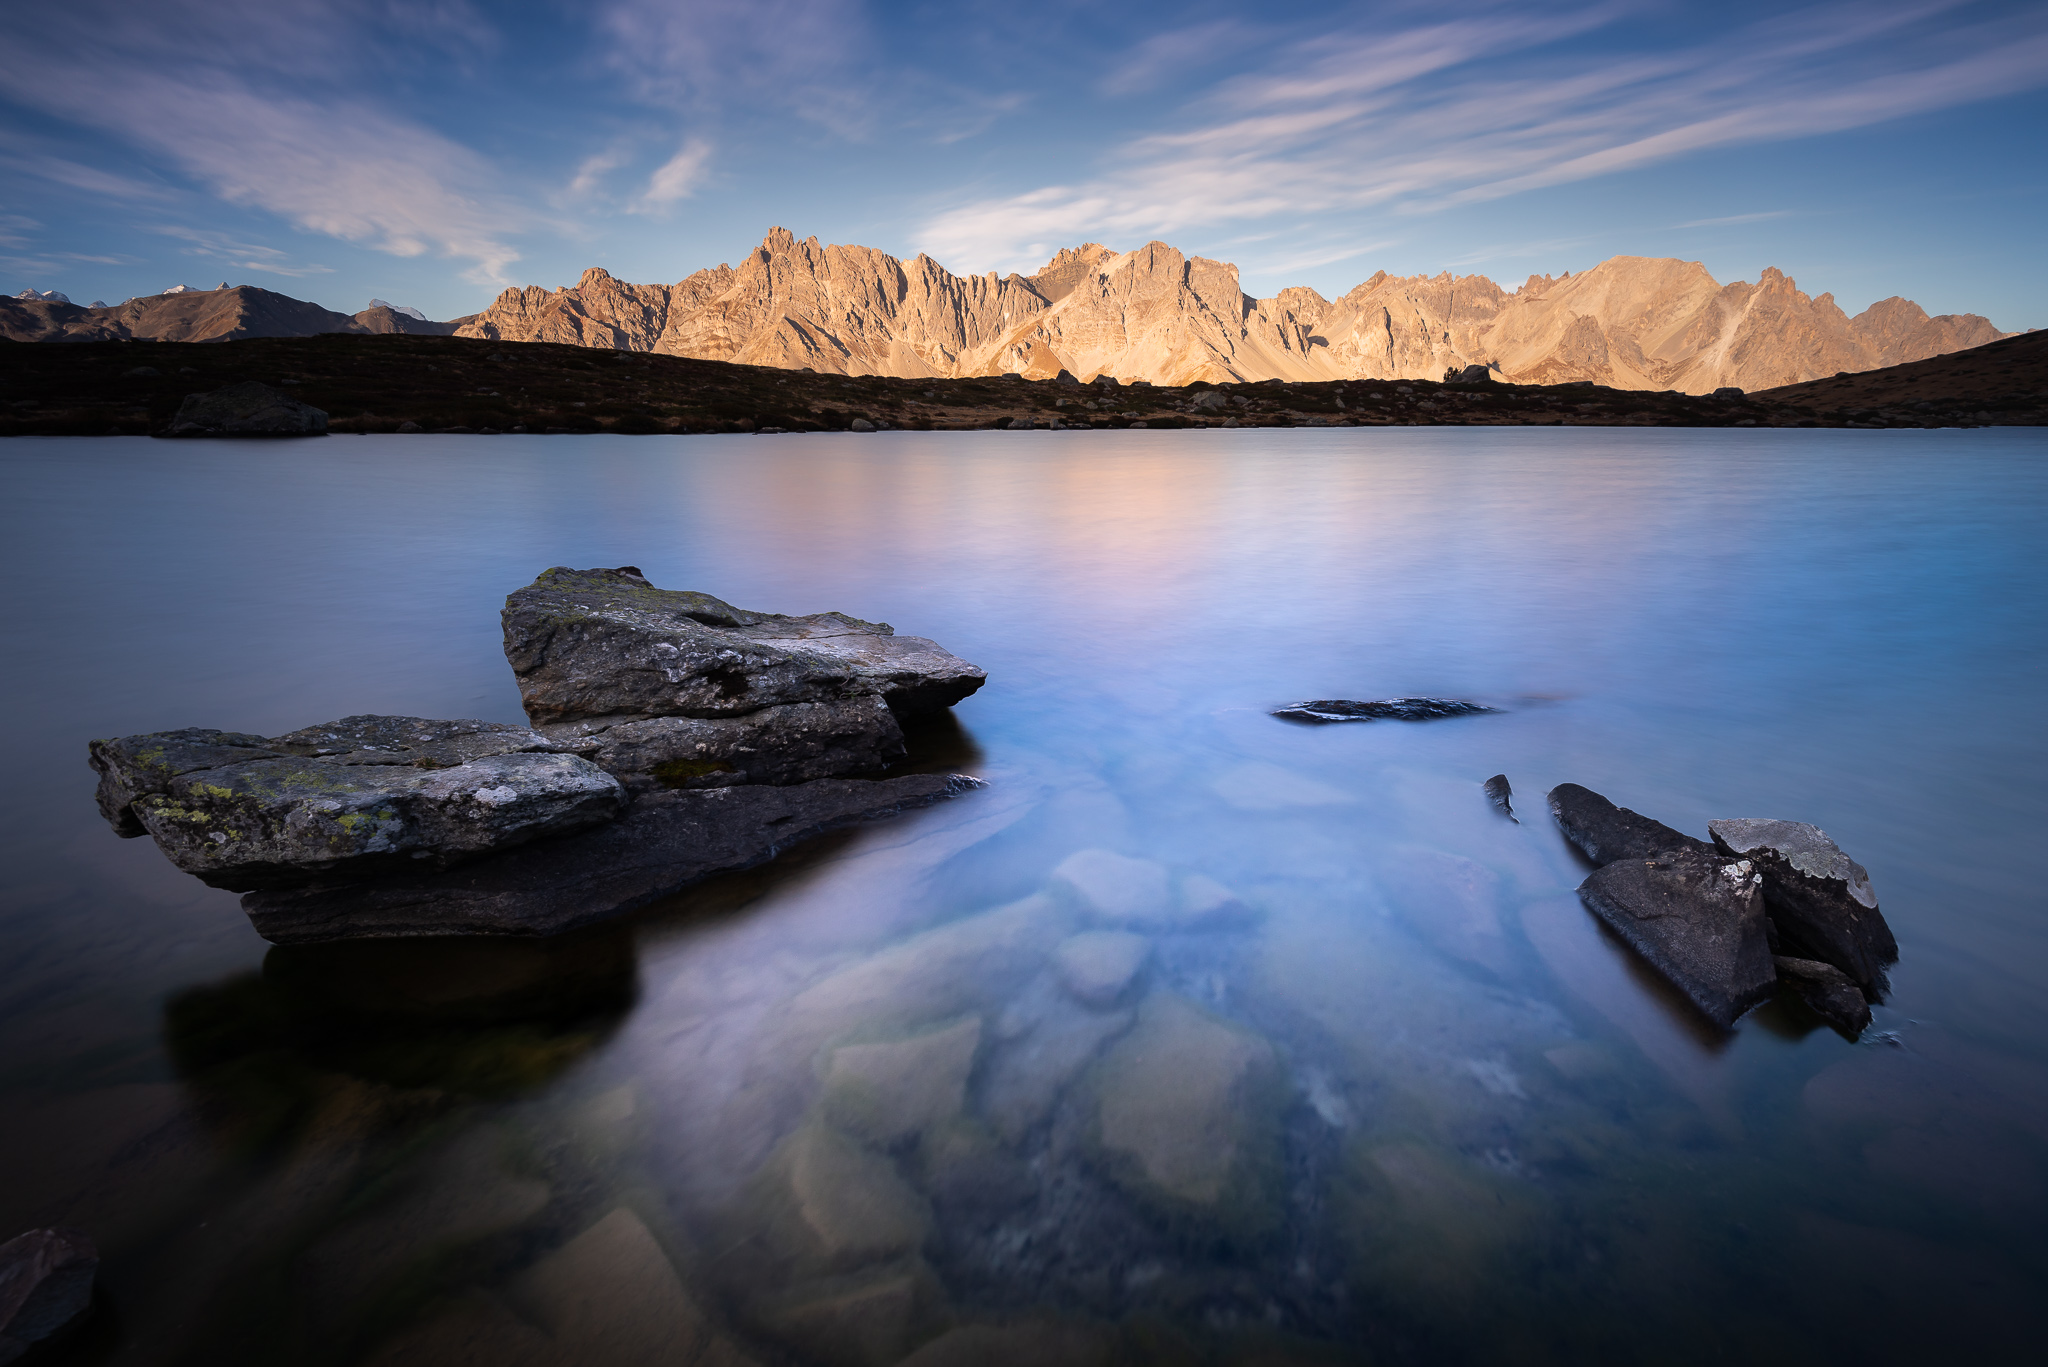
1698,919
1820,899
604,643
1604,832
355,798
664,842
787,743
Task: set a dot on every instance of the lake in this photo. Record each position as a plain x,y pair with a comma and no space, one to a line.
1375,1086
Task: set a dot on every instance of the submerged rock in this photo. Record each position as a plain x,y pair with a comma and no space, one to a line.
790,743
664,842
1186,1114
46,1278
1116,887
1097,966
589,644
1828,991
1819,898
889,1090
1385,709
356,798
1697,918
1604,832
246,410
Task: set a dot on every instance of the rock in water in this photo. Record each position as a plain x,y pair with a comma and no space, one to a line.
1386,709
1827,990
664,842
1819,898
1604,832
591,644
791,743
354,798
1501,795
46,1280
246,410
1698,918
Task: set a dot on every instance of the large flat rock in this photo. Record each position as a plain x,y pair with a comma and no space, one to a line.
588,644
1698,919
1819,898
665,841
362,797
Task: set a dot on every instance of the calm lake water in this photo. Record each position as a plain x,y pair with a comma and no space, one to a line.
1379,1089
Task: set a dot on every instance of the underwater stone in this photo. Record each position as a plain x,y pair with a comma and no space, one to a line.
1819,898
891,1089
611,1295
1179,1102
589,644
1698,919
46,1278
1117,887
664,842
1096,966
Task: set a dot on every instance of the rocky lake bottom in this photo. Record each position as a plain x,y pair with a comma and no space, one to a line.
1198,1036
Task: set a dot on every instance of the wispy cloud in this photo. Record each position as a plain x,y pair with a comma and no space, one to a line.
679,176
254,101
1170,54
808,57
249,256
1731,219
1494,103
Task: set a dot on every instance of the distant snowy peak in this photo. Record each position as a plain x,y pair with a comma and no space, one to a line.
408,312
47,296
194,289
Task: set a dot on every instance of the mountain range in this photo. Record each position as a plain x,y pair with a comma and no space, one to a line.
1154,314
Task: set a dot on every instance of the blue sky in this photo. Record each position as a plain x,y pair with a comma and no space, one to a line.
431,152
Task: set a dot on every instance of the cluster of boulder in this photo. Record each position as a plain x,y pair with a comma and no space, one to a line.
672,736
1766,902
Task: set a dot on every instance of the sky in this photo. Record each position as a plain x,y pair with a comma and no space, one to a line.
434,152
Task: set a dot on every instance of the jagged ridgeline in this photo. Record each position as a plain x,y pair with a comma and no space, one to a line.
1155,314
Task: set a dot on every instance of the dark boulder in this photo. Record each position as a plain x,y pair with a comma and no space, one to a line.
665,841
246,410
1501,796
1698,919
791,743
1385,709
1828,991
592,644
1820,899
1604,832
352,798
46,1278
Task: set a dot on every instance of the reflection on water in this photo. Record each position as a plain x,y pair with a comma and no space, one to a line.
1196,1037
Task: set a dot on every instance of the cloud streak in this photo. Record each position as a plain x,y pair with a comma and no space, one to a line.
253,101
1489,105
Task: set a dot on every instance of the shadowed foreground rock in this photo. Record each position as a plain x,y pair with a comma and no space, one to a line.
1604,832
1698,920
1820,899
790,743
1827,990
354,798
46,1278
246,410
596,644
664,842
